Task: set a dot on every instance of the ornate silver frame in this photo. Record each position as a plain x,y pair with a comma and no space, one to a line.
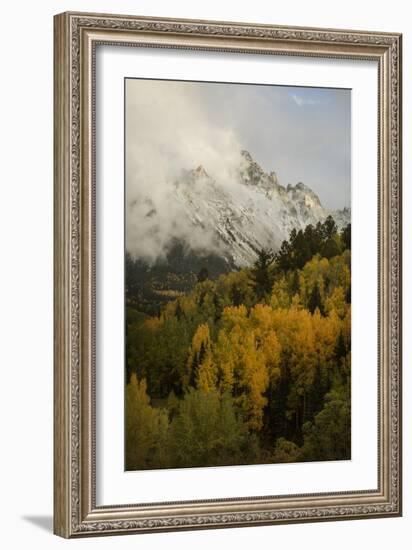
75,38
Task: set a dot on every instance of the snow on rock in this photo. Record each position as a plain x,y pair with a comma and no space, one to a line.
250,212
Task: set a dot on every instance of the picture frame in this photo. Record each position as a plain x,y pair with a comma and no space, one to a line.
77,36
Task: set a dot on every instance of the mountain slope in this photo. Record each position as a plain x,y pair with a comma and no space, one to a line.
236,216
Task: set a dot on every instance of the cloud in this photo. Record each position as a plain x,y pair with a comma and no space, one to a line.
300,101
168,131
173,126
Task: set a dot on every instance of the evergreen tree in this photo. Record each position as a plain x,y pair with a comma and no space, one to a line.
315,300
284,260
242,368
340,348
314,397
203,275
261,274
294,285
346,236
237,295
196,362
330,248
179,311
329,228
313,238
206,431
328,437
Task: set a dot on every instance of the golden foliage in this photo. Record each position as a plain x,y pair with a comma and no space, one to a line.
200,365
249,351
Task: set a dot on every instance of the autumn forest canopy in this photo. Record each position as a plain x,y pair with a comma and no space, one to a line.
248,366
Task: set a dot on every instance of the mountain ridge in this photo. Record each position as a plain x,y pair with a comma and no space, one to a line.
236,216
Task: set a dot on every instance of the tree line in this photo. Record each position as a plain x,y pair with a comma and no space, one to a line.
250,367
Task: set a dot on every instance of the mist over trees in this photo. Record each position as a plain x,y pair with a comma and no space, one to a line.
251,366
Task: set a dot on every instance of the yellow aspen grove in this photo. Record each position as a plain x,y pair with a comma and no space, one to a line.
261,317
326,333
271,350
200,367
188,305
266,339
247,367
314,273
242,359
225,359
336,302
254,378
280,295
201,338
206,376
170,310
303,356
235,315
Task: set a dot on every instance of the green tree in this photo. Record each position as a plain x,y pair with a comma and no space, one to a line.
146,429
206,431
330,248
261,273
315,299
203,275
329,228
302,248
328,437
294,283
346,236
284,261
251,366
340,348
285,451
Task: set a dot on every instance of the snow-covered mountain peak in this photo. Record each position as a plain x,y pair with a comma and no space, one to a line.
233,215
246,155
302,194
193,176
251,173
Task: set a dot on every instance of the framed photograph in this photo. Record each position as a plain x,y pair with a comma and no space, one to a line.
227,274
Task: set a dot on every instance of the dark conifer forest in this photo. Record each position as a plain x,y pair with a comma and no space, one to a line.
230,366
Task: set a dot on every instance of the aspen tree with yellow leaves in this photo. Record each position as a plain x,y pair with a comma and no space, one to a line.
248,367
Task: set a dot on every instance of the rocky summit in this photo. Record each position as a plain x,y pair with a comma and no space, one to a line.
249,212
